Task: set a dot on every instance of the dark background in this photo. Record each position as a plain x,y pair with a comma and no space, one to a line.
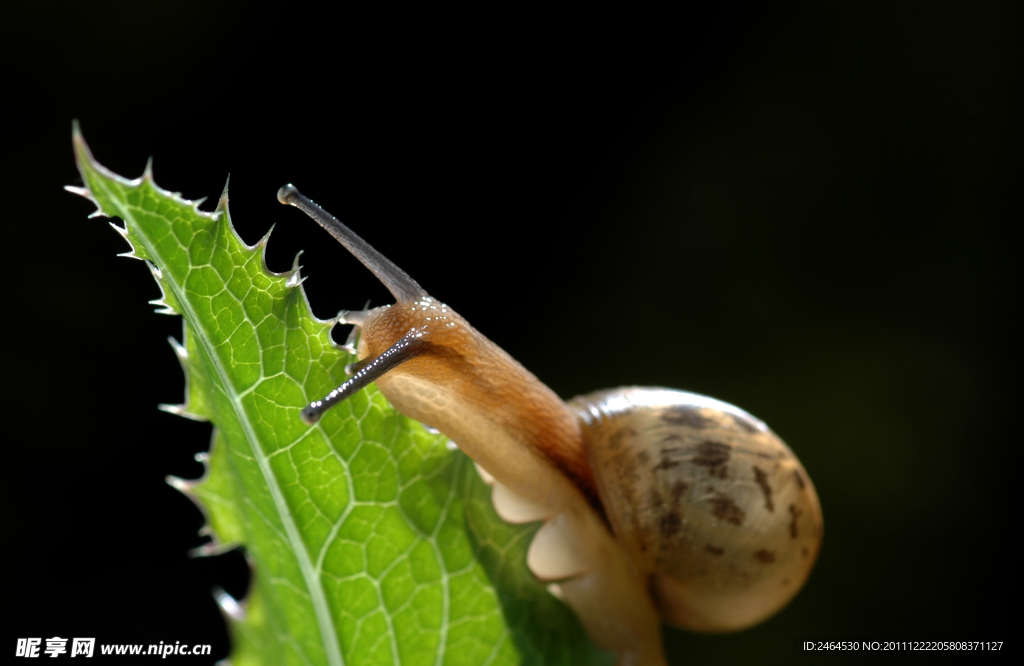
802,210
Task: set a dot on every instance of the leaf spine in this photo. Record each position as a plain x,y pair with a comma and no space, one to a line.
232,608
294,277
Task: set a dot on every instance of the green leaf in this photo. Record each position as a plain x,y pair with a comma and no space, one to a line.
371,541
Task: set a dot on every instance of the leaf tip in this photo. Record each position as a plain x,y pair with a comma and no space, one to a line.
83,155
78,141
85,162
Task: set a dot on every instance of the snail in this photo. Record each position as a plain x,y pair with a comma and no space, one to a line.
658,505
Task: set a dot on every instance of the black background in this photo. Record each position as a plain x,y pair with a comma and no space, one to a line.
802,210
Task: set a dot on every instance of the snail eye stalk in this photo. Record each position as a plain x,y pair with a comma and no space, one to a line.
398,282
409,346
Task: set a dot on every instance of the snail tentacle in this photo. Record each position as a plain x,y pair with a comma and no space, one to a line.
398,282
408,346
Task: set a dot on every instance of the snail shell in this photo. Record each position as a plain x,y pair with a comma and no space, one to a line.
712,506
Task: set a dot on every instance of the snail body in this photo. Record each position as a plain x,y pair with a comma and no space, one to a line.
658,505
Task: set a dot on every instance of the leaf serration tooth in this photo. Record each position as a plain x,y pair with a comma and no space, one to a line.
183,410
122,231
163,307
211,547
84,191
214,545
222,201
294,276
229,605
179,349
180,484
177,410
261,244
186,487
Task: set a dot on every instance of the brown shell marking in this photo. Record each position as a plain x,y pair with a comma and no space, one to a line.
724,508
686,417
714,456
671,525
762,481
795,512
665,462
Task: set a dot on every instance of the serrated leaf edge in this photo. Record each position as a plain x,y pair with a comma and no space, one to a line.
215,546
329,638
181,352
